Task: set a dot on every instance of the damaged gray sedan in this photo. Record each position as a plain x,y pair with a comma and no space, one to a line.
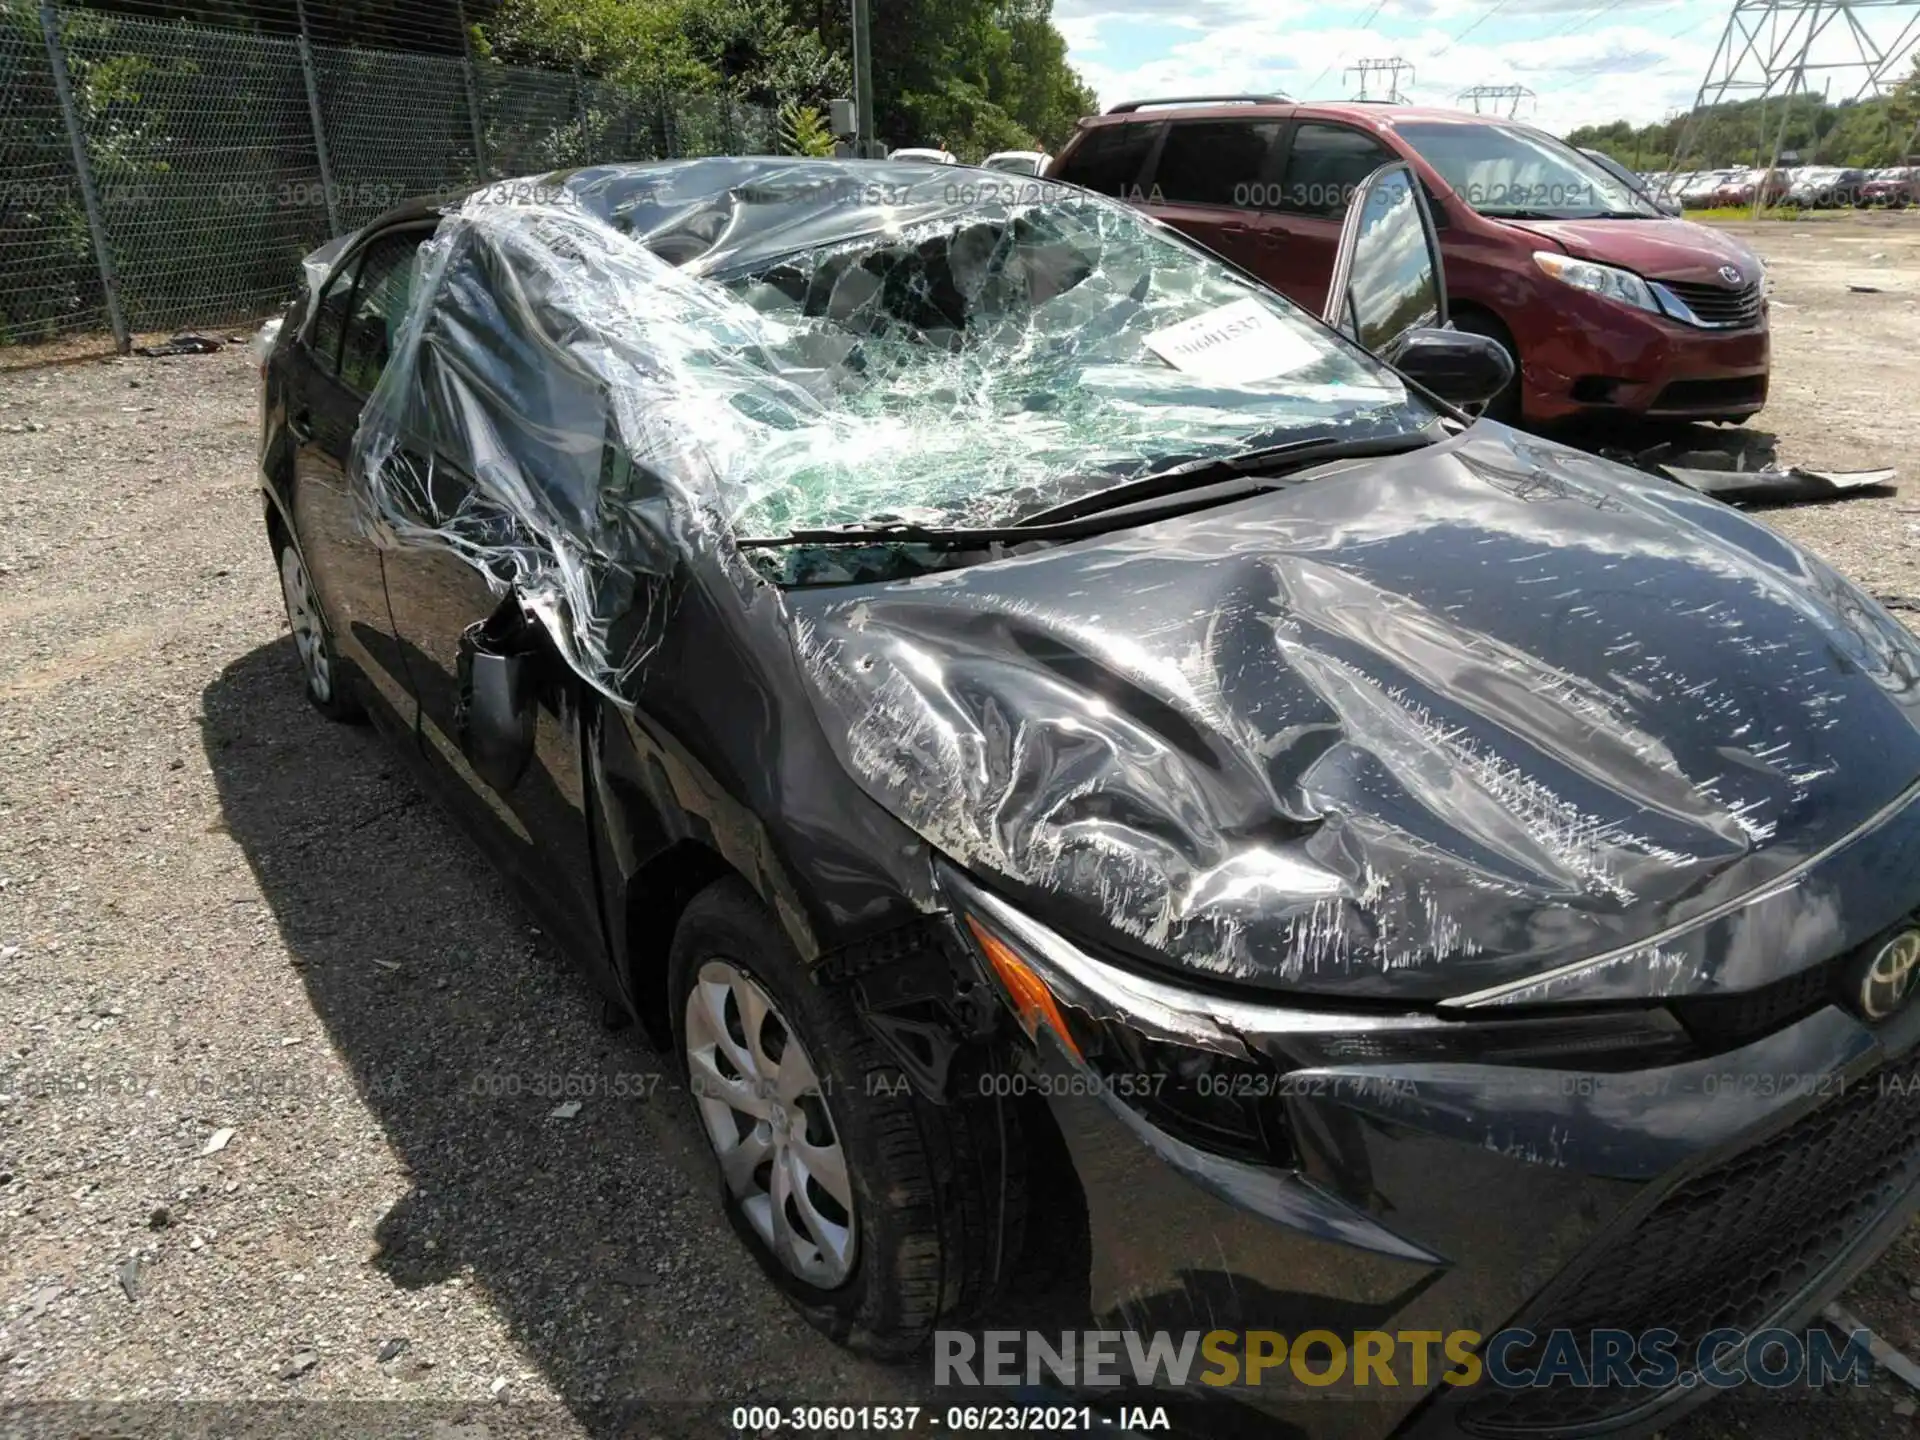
1087,765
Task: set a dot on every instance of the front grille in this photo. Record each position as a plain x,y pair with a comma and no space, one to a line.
1733,1245
1722,307
1726,1022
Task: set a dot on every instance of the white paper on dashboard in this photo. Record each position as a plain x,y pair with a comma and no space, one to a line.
1234,344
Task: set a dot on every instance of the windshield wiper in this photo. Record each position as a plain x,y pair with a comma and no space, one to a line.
1185,487
1268,461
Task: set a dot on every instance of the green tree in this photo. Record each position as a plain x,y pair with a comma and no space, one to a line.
803,131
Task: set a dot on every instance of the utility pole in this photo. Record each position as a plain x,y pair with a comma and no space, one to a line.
864,144
1495,96
1391,67
1779,49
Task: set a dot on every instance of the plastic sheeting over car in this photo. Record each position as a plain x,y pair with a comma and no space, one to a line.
610,372
1411,729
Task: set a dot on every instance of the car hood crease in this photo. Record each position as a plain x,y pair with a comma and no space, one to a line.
1417,729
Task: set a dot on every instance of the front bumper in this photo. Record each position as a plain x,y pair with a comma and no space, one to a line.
1597,357
1740,1190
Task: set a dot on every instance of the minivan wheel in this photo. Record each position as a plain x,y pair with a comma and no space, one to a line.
319,663
1504,407
876,1212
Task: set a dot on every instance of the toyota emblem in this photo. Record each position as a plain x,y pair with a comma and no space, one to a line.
1888,982
1731,274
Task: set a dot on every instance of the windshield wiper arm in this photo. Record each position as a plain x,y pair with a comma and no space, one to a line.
1095,514
1269,460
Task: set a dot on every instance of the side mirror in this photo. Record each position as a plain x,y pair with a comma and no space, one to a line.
1468,370
498,704
1387,277
1667,205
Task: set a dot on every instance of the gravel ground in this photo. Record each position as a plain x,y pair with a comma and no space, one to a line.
272,1042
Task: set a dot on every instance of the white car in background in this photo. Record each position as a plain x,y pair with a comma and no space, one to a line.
1019,162
925,155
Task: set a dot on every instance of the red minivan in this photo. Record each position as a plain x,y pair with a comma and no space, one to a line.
1608,305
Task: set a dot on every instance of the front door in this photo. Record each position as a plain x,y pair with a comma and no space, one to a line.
1217,180
536,826
1325,165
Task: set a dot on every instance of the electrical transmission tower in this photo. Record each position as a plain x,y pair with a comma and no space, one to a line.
1391,67
1772,50
1495,96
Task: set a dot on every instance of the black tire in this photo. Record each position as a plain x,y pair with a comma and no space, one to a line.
939,1191
1504,407
326,680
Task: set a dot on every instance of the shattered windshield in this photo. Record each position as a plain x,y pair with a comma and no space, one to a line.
974,370
608,375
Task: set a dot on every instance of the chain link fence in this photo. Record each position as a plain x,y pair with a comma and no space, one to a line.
155,174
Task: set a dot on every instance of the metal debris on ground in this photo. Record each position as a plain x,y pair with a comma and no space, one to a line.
1726,476
185,343
1885,1357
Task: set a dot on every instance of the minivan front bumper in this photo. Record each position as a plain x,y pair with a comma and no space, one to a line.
1740,1190
1596,357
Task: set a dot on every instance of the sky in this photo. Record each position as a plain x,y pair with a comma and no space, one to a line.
1588,61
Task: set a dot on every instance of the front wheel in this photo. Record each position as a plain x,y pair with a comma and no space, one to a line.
876,1212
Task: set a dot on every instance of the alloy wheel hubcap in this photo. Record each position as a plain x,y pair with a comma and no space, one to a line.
765,1111
303,615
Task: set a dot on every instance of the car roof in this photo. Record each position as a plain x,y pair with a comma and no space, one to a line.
1373,114
740,208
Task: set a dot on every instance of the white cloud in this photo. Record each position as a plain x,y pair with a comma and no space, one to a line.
1632,66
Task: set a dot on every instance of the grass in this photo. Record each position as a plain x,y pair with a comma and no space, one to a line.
1778,212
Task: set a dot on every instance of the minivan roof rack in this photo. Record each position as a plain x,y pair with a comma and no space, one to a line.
1127,107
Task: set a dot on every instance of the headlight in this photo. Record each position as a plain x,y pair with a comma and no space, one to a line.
1202,1065
1621,285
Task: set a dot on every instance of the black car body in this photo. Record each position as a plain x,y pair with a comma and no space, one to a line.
1504,836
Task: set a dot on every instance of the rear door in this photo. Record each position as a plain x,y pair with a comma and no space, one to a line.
1325,163
324,411
1111,159
1218,181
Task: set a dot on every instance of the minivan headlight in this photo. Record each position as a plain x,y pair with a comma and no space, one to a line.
1604,280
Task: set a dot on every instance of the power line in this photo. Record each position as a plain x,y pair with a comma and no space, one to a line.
1371,14
1492,11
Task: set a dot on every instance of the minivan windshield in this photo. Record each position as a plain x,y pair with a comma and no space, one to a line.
1516,172
1004,359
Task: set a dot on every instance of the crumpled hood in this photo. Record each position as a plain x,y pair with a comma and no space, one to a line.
1409,730
1663,249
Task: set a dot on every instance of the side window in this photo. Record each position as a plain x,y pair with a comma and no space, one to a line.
330,320
1326,163
1220,162
379,305
1110,159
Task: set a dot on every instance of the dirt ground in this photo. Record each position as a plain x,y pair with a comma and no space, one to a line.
272,1039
